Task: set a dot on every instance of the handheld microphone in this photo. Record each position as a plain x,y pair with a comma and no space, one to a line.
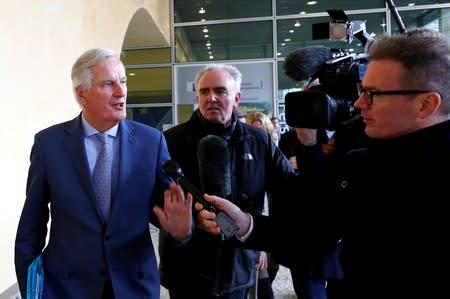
214,166
226,224
174,170
307,62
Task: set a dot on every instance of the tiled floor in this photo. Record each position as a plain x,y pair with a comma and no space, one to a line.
282,285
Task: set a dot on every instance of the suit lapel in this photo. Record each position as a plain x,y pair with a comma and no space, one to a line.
74,144
126,153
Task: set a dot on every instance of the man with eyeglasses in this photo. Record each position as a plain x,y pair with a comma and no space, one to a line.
389,200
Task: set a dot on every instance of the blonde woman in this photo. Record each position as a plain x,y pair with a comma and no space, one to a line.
261,120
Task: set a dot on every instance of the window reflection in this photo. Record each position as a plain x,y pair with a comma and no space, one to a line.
149,85
231,41
290,7
190,10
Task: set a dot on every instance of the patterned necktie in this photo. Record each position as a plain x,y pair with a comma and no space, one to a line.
102,175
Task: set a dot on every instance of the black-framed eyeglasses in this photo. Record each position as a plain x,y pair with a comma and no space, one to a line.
369,94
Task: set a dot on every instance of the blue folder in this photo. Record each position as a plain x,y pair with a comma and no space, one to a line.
35,281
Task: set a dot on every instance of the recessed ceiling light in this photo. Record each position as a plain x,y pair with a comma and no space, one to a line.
297,24
205,29
311,3
211,57
131,74
201,11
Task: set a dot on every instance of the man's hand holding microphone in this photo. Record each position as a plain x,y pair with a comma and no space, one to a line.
207,219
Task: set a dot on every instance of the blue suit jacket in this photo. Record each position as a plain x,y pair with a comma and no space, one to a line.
82,249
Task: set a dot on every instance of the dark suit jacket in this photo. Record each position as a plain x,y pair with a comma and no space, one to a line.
393,246
83,250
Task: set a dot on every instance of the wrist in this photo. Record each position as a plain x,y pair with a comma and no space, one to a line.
182,239
245,227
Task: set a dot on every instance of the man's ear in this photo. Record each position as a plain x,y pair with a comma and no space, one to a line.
430,102
237,98
81,94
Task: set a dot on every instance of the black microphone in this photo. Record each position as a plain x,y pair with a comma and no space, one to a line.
214,166
226,224
174,170
307,62
215,176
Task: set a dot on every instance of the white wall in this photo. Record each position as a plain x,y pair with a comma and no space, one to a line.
39,42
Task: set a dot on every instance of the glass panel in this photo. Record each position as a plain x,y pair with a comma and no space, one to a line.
149,85
185,112
157,117
224,42
286,84
146,56
292,7
195,10
437,19
291,37
408,3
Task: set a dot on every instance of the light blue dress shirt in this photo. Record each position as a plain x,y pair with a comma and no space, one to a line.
93,146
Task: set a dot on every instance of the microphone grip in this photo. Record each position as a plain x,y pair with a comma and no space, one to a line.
227,226
196,194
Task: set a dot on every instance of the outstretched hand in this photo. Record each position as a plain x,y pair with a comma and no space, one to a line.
176,216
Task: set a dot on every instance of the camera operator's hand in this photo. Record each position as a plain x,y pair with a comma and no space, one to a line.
329,147
307,137
206,220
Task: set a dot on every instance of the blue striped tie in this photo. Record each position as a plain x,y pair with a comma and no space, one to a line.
102,175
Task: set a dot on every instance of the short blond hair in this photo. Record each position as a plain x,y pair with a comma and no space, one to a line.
266,123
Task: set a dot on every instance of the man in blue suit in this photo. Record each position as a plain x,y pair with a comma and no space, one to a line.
91,254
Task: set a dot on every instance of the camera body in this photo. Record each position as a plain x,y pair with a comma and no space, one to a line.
329,105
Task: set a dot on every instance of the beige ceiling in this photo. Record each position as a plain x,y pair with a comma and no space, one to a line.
143,31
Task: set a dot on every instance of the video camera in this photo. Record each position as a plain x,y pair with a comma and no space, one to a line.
328,105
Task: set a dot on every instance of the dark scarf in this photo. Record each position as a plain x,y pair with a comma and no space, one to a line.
210,128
